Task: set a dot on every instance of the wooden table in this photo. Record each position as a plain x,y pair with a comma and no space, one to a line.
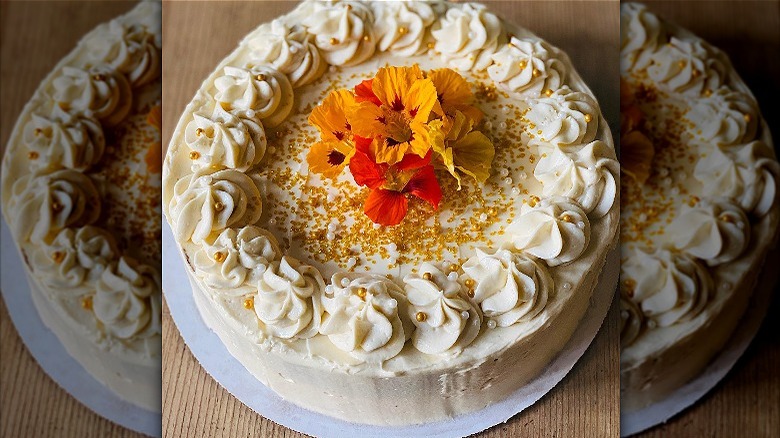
198,36
35,36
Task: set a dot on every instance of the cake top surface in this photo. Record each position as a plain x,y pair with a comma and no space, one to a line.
261,197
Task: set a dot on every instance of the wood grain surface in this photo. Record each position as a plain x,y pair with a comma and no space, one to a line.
198,36
747,402
34,36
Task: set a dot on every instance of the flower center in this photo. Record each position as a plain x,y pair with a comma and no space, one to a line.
398,128
335,157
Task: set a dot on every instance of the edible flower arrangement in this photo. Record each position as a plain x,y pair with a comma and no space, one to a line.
392,131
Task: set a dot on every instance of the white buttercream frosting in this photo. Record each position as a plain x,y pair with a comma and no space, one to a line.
444,317
223,139
641,34
260,92
509,287
206,203
687,66
130,49
291,50
74,141
631,321
747,174
564,118
365,316
127,300
467,36
529,66
343,32
99,91
42,205
556,230
668,286
715,231
725,118
75,258
237,257
402,27
588,176
288,299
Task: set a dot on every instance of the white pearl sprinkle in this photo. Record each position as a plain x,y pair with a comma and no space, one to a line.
506,110
725,286
272,221
452,276
344,282
491,324
642,217
508,181
624,314
332,226
667,181
464,314
504,172
502,125
566,285
377,226
652,324
351,262
523,175
675,191
330,236
580,224
333,69
483,217
740,225
293,49
515,191
332,197
663,172
392,247
488,125
682,176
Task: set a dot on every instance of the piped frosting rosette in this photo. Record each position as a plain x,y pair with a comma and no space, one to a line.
527,66
467,36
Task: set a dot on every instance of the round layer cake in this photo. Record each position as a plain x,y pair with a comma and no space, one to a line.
81,195
699,211
392,212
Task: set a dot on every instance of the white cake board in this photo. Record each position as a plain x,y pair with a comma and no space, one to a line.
51,355
228,371
661,412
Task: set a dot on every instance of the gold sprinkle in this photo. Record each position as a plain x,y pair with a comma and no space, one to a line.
56,207
428,276
588,118
522,64
548,92
218,206
695,73
334,41
249,303
38,131
470,293
534,200
431,45
199,132
194,155
366,38
219,256
58,256
261,77
727,218
747,118
86,303
469,283
421,316
536,73
99,77
453,267
361,292
708,92
403,30
32,155
567,218
681,64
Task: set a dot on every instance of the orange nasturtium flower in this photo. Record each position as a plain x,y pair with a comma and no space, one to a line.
332,153
453,94
399,122
387,203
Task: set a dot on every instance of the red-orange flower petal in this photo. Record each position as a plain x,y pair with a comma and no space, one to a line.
425,186
364,93
413,161
386,207
365,171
